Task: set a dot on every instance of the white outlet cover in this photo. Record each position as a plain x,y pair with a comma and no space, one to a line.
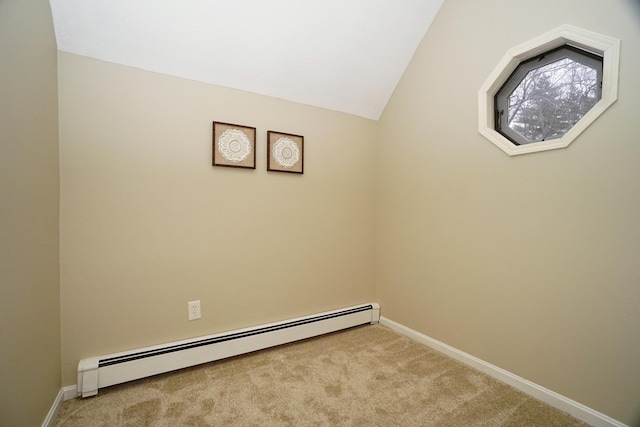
194,310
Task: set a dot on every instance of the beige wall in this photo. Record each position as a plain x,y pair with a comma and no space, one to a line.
29,190
532,262
148,224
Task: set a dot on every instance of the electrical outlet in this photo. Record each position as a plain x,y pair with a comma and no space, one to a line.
194,310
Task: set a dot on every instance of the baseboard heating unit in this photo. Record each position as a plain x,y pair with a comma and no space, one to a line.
98,372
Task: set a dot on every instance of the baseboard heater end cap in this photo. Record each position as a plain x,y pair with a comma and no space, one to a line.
375,313
88,377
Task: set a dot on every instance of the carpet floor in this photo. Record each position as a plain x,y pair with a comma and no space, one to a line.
364,376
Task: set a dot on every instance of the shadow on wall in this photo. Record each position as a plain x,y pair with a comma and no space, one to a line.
635,4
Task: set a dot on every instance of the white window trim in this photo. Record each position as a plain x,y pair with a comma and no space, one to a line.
606,46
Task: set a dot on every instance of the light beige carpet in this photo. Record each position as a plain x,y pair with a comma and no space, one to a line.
365,376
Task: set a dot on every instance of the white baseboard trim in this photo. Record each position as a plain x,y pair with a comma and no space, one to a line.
65,393
578,410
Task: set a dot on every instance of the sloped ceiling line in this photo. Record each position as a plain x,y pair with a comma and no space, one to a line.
343,55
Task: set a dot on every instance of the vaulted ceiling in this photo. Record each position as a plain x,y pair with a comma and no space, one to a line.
344,55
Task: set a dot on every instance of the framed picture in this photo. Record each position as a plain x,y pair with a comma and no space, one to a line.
234,145
285,152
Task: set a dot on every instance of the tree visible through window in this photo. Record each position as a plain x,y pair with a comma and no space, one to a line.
547,95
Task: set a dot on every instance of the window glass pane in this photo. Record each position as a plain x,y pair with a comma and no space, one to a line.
551,99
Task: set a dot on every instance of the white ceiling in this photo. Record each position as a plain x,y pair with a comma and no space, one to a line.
344,55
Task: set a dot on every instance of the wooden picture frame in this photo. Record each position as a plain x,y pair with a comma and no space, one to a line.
285,152
234,145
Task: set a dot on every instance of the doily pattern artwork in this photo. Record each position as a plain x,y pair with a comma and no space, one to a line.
286,152
234,145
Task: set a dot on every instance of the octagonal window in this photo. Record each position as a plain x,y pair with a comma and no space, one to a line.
547,95
545,92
